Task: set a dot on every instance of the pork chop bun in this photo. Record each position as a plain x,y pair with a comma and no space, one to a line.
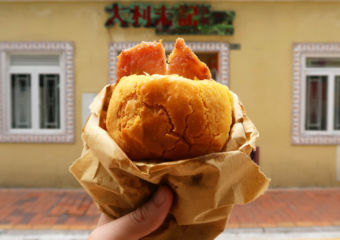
160,112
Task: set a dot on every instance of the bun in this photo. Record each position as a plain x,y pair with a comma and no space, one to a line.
169,117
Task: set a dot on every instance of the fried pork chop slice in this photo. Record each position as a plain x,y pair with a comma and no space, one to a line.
149,57
146,57
184,62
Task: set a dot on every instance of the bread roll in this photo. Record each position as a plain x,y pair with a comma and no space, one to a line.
169,117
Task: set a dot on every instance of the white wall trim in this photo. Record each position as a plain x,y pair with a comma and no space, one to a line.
338,163
300,51
221,48
67,51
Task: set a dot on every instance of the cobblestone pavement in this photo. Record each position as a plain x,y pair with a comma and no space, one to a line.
290,208
60,209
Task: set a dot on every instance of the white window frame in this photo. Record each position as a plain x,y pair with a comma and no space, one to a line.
65,134
221,48
301,51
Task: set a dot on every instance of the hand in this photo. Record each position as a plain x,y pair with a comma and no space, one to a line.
138,223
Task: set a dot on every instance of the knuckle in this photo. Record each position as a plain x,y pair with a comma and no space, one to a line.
139,215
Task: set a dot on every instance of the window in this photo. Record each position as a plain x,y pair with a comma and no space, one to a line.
37,92
34,86
214,54
316,94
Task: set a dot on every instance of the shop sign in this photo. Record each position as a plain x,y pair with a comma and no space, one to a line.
196,19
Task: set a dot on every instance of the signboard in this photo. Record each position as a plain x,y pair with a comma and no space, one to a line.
182,19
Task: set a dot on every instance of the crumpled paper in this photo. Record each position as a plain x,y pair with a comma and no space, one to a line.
205,187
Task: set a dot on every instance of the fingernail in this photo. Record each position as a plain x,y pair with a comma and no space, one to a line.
160,197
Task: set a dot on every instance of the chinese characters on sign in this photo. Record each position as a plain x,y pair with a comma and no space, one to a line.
177,19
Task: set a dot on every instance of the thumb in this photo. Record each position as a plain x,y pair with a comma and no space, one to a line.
140,222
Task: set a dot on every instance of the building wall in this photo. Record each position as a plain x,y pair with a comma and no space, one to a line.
260,73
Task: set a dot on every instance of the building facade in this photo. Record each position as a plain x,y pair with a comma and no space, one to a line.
281,57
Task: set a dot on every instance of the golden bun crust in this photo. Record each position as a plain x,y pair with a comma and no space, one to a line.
168,117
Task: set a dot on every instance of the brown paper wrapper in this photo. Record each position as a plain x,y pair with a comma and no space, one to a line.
205,187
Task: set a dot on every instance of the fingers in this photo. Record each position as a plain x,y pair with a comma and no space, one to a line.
140,222
150,216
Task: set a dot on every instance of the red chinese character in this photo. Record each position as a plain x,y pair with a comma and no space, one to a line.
186,15
136,15
182,15
147,16
115,16
205,15
141,17
163,19
192,15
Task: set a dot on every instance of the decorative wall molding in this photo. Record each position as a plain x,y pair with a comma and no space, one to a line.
300,51
220,47
67,50
195,1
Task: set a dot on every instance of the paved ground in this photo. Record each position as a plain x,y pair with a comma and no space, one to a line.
46,209
290,208
292,233
37,214
44,234
74,209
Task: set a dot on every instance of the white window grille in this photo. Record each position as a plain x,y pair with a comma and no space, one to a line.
36,83
316,94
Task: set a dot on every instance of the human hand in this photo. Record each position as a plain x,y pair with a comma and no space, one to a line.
138,223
